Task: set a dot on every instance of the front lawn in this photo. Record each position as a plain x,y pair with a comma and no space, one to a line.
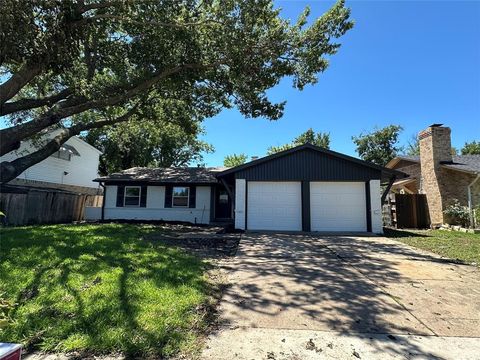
451,244
100,288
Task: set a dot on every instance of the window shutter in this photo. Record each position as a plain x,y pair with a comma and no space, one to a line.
120,195
192,198
168,196
143,196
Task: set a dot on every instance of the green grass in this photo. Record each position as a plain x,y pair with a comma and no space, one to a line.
451,244
101,289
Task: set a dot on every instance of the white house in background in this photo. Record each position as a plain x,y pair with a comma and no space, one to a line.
72,168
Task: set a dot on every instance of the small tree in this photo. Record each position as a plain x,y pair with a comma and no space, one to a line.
413,146
308,137
154,143
234,160
471,148
380,146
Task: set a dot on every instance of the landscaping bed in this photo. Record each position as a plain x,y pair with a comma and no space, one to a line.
103,289
459,246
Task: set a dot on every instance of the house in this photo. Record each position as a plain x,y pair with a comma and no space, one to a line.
305,188
443,177
72,168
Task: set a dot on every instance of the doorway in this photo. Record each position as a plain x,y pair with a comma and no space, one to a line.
223,204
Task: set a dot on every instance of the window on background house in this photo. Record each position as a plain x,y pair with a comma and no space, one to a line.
180,196
132,196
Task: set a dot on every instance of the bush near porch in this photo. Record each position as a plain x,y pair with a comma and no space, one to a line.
100,289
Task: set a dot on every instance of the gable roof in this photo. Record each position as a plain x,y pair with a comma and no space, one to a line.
466,163
396,160
164,175
385,171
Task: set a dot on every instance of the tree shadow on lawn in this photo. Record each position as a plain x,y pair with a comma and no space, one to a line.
322,283
101,289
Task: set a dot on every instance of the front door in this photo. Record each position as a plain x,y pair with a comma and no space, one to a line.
222,204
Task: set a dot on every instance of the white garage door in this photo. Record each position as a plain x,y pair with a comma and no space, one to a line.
274,206
338,206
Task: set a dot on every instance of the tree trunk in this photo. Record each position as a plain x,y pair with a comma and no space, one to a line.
10,170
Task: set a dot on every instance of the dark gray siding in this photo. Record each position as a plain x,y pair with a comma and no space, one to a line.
308,165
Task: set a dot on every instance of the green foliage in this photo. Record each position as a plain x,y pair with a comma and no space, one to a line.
5,309
101,289
471,148
379,146
476,213
308,137
458,214
220,54
149,143
234,160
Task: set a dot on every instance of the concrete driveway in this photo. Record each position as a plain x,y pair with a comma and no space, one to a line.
341,297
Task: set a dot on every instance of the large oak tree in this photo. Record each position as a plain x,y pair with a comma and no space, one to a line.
80,65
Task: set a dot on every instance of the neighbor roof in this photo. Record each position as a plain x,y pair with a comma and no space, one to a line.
384,170
467,163
165,175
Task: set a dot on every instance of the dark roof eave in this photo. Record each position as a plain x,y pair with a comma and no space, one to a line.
159,182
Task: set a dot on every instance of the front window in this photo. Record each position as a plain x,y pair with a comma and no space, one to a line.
180,196
132,196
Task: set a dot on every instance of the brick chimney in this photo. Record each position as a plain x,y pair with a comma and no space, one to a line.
435,148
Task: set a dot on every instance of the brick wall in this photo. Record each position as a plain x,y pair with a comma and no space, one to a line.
435,146
442,185
414,172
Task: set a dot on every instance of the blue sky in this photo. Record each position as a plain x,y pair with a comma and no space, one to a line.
411,63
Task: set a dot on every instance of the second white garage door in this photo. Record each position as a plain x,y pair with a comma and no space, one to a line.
274,206
338,206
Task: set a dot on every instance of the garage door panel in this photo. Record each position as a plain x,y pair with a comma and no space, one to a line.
338,206
274,206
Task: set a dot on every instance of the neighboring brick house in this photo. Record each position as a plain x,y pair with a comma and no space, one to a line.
443,177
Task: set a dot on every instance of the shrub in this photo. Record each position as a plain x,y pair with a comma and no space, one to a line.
476,214
458,214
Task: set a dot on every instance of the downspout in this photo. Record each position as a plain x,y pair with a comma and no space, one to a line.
103,201
470,205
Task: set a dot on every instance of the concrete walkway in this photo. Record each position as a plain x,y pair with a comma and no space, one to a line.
341,297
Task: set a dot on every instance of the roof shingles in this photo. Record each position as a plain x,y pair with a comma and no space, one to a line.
165,175
469,163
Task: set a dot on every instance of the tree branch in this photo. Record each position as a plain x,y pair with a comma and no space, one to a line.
22,77
93,6
10,137
28,104
91,19
10,170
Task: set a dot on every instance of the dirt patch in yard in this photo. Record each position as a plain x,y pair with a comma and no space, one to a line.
206,242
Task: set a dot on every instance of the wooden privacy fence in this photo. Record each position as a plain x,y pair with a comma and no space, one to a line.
31,206
411,211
